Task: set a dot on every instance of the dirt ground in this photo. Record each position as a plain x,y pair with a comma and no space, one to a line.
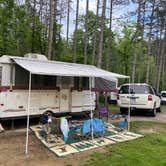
12,148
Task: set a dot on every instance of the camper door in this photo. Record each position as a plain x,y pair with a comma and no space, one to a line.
65,94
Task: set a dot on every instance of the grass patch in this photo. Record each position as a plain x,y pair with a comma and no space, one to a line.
113,108
147,151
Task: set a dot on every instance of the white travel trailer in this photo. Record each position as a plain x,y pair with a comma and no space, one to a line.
57,87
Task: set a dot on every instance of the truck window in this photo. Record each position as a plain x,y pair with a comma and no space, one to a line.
136,89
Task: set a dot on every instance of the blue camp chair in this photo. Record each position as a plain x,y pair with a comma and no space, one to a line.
122,124
85,130
98,127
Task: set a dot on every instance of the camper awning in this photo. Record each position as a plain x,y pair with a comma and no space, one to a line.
46,67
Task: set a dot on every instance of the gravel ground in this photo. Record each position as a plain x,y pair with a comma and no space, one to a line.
160,117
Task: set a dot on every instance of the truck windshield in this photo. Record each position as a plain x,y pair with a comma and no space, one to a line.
136,89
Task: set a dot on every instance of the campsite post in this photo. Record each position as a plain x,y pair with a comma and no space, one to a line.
28,111
90,87
129,109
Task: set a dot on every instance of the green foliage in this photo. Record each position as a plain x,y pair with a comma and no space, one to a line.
21,33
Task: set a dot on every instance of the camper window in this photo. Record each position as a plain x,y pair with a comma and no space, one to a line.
85,83
22,79
81,82
76,82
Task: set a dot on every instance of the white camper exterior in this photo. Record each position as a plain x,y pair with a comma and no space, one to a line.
61,97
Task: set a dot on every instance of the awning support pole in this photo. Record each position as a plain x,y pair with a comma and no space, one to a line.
129,109
28,112
90,87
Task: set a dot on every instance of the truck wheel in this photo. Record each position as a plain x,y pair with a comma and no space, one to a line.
159,109
123,111
154,111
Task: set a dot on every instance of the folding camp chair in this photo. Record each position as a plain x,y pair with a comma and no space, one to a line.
103,111
123,124
85,130
98,127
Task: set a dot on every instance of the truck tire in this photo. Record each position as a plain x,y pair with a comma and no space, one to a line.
153,113
123,111
159,109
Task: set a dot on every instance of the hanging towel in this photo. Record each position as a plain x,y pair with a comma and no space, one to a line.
64,128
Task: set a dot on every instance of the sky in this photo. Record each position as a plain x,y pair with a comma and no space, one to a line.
117,12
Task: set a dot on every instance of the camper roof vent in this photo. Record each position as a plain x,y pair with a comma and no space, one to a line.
35,56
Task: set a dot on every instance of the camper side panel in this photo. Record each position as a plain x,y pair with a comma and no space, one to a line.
14,104
5,74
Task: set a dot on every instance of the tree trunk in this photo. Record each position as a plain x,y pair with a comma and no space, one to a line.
51,27
68,18
33,26
149,43
75,33
161,61
157,60
163,73
108,57
142,43
56,33
95,33
86,32
136,42
99,64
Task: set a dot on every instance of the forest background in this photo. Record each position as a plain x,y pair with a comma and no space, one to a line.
127,42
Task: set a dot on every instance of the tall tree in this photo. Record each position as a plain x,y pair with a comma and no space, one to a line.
138,27
75,32
161,58
33,25
108,55
151,18
99,64
95,33
86,32
68,19
140,61
51,26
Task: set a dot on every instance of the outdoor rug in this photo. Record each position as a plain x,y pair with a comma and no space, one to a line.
58,146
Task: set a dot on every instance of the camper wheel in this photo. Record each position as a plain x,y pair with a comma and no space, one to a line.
49,112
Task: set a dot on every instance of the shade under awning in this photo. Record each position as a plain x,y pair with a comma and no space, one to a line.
45,67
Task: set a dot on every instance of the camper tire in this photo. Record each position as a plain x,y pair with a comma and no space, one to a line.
49,112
